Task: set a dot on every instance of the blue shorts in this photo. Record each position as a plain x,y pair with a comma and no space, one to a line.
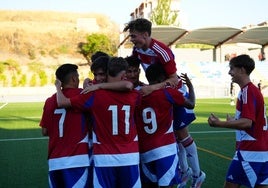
248,174
182,117
71,177
117,177
163,172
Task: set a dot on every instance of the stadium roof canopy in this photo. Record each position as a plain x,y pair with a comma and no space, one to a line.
215,36
257,35
168,34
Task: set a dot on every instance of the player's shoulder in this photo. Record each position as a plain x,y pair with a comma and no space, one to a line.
50,103
72,91
173,91
50,99
157,93
253,90
132,93
157,42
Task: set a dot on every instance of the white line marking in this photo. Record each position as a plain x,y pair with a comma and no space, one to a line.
43,138
13,118
3,105
210,132
22,139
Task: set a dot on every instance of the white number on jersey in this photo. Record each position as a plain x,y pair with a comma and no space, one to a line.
114,109
62,112
149,117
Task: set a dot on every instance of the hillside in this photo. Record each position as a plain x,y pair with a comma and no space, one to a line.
46,38
26,32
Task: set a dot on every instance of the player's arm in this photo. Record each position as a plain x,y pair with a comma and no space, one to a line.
190,100
122,85
45,120
239,124
171,81
87,82
62,101
44,131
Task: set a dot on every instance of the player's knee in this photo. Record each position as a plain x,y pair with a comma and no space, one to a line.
187,141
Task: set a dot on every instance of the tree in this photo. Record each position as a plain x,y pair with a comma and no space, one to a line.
162,14
96,42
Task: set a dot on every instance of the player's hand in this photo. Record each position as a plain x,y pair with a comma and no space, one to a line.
170,83
185,79
146,90
90,88
87,82
213,120
58,84
229,118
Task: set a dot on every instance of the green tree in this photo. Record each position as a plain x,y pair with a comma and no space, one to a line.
42,77
35,66
2,67
96,42
14,81
162,14
33,81
23,80
13,66
3,79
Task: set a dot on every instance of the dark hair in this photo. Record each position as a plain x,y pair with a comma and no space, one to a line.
116,65
244,61
133,61
100,63
98,54
155,73
139,25
64,71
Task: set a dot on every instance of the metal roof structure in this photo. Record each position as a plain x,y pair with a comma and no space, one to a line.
168,34
257,35
215,36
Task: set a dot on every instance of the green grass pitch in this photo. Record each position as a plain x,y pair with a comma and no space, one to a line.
23,156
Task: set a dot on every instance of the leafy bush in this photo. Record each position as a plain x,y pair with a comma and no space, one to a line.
14,81
23,80
42,77
33,81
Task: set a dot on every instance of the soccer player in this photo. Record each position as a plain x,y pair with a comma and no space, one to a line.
183,117
98,54
98,68
151,51
115,141
67,129
249,166
158,147
133,72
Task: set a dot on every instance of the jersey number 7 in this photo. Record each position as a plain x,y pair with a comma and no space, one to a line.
62,112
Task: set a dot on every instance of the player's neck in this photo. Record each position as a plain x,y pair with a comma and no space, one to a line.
68,86
113,79
147,43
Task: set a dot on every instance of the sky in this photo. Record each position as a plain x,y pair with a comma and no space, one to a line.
194,13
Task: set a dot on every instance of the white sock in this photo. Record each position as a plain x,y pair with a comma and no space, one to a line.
183,158
193,158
